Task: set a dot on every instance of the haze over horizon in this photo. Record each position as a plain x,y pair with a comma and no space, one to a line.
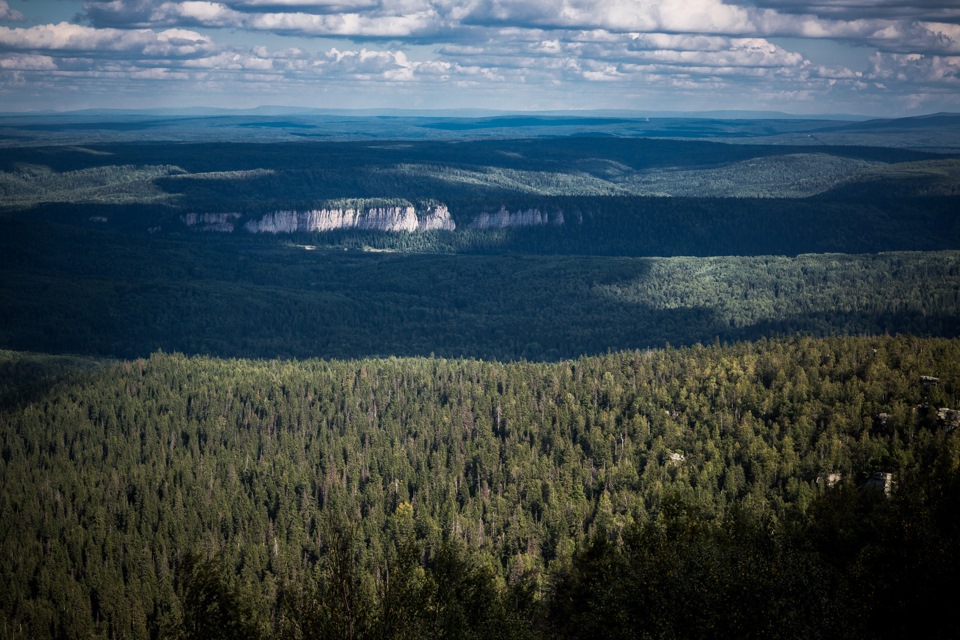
889,58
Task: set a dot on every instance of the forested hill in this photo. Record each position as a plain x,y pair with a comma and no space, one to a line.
599,183
74,294
698,492
425,388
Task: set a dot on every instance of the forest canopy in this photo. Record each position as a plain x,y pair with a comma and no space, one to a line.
552,495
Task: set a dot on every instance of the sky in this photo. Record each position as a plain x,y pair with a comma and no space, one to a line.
882,58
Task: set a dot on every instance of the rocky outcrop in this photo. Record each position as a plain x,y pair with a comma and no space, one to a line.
437,219
948,418
400,218
504,219
403,218
218,222
882,481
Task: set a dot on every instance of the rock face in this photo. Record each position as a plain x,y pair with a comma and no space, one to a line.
396,219
503,219
882,480
219,222
948,418
372,219
403,218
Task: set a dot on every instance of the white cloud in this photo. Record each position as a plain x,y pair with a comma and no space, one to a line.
7,14
702,16
332,6
347,24
699,18
446,21
300,17
363,62
638,48
916,69
67,37
743,53
916,11
27,62
232,61
209,14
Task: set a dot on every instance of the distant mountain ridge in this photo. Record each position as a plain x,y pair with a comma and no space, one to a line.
939,132
277,110
931,121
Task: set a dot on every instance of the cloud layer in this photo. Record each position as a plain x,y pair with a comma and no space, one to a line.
516,54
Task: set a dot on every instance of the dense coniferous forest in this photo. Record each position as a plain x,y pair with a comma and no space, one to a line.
677,388
698,491
102,293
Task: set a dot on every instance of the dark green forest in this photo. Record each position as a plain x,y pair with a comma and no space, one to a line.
704,491
712,391
69,291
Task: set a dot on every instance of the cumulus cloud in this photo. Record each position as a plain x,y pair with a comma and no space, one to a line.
916,37
323,6
700,16
911,10
7,14
716,17
73,38
110,55
298,17
672,48
895,69
349,24
712,63
891,27
27,62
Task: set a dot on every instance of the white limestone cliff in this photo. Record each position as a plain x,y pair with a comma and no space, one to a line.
403,218
396,219
219,222
503,219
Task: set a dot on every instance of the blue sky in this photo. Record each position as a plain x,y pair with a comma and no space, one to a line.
870,57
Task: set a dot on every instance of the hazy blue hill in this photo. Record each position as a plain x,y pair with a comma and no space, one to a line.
274,124
522,121
936,132
949,121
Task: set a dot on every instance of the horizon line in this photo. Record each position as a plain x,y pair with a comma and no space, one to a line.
466,112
